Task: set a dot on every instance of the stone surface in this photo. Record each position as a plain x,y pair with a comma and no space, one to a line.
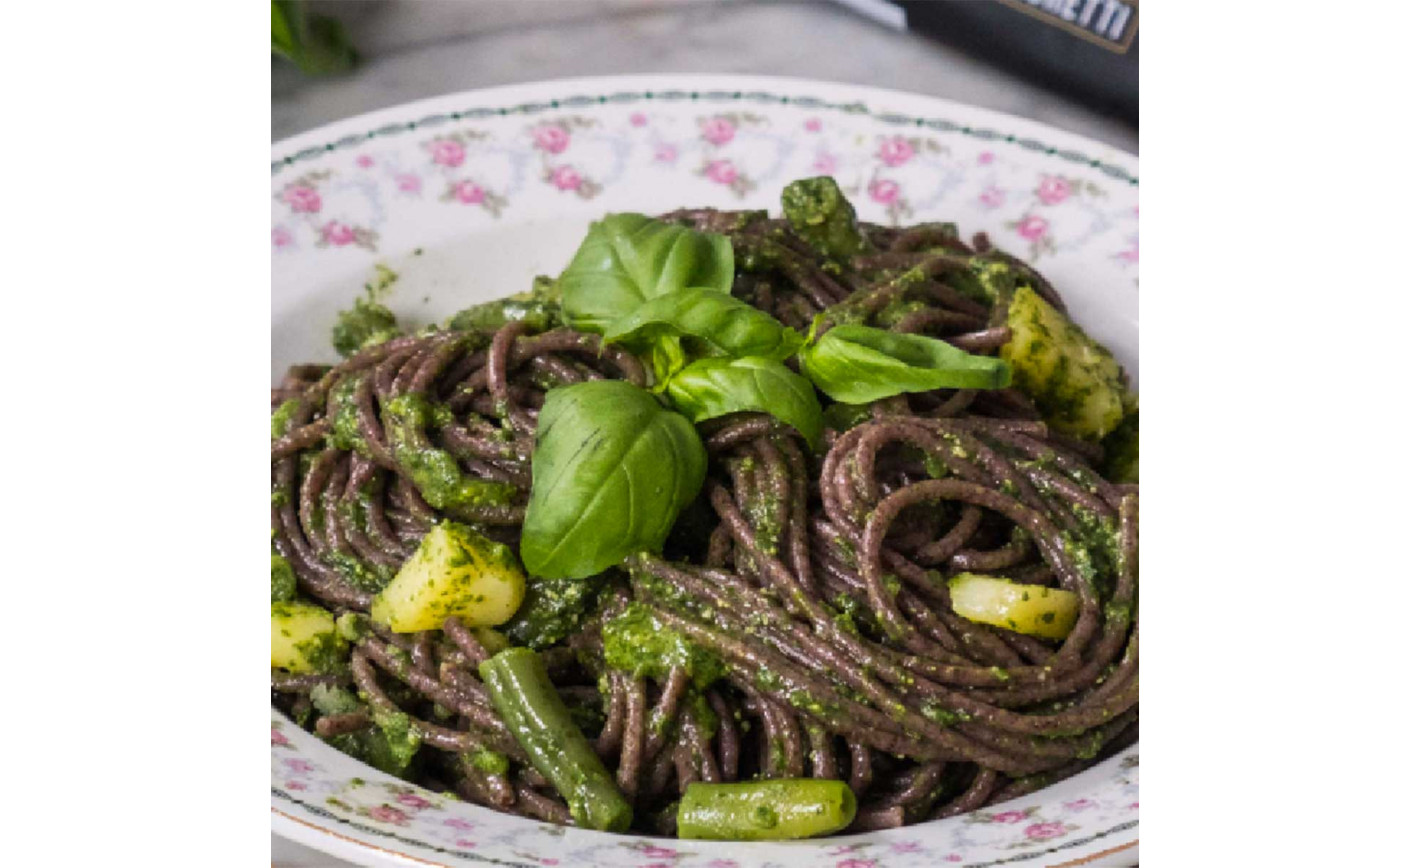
419,49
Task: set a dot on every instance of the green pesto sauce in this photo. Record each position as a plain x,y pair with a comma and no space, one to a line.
943,716
987,280
765,514
539,308
706,720
821,215
360,574
1122,447
805,701
331,700
433,471
346,433
390,745
767,679
845,417
636,642
325,652
282,416
899,309
282,582
365,324
490,762
1075,382
354,626
552,609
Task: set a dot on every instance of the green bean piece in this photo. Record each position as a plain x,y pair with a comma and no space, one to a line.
522,694
778,810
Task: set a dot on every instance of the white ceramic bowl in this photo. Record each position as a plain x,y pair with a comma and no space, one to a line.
467,197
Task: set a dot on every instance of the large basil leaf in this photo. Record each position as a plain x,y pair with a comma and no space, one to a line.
713,387
859,364
612,469
727,324
627,259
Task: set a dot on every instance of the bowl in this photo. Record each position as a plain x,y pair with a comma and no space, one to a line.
445,202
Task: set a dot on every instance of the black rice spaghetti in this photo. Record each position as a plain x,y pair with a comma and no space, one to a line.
811,583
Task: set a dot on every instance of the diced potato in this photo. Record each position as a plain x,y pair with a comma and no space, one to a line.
304,638
1029,609
1073,379
455,571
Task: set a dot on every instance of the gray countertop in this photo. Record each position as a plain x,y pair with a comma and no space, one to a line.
413,50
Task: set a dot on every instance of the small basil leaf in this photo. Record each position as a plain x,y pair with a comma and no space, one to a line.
709,388
627,259
859,364
664,357
612,469
822,216
720,320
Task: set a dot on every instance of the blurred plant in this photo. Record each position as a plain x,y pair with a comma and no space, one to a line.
316,43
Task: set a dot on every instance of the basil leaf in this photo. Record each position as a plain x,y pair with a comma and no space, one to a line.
859,364
612,469
627,259
664,357
724,322
709,388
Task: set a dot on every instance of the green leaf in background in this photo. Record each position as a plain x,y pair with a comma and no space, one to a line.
612,469
859,364
317,43
628,259
722,321
821,215
710,388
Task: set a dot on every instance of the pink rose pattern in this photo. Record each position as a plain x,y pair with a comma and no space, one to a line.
1053,190
1009,817
566,178
1032,227
883,191
469,192
666,153
446,152
303,199
551,138
727,174
570,180
991,197
1045,831
717,131
721,172
895,151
